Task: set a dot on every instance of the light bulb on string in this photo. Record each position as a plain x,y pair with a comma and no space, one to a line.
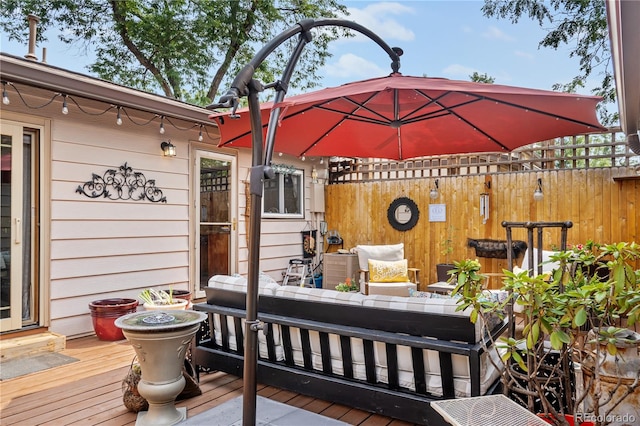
65,109
5,96
119,118
162,125
200,134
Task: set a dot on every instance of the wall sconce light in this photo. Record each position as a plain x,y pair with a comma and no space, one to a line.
537,194
433,194
168,149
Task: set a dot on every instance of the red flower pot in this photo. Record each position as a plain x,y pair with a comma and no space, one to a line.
105,312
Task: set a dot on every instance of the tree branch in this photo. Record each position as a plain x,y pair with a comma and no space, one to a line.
121,25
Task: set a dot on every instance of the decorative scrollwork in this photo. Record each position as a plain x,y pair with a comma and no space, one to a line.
122,184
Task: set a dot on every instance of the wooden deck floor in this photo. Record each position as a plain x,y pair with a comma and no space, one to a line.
88,392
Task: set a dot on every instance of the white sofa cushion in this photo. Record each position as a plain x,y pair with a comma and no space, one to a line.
388,252
443,305
461,377
391,289
546,265
327,296
266,286
319,295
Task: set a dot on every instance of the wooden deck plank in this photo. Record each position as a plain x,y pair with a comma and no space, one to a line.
89,392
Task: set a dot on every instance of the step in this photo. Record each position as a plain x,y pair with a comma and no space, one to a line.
21,346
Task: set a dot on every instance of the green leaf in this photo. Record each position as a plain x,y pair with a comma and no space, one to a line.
518,358
580,318
535,331
558,338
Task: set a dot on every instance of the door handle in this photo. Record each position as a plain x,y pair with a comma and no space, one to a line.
234,223
18,228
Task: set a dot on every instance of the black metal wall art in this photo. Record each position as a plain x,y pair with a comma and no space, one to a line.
122,184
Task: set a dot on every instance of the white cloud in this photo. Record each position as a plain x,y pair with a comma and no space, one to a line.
350,66
495,33
524,55
458,71
377,18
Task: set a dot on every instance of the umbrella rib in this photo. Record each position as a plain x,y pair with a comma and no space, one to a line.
583,123
345,116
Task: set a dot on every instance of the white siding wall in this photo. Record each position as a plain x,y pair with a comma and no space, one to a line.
281,239
103,248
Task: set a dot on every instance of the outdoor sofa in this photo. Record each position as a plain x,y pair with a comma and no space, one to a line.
384,354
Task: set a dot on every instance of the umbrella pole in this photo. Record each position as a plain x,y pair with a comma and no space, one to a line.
244,84
252,325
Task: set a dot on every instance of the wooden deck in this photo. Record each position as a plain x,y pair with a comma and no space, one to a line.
89,392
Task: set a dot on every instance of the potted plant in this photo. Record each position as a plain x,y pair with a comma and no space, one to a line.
162,300
577,315
349,286
446,248
104,313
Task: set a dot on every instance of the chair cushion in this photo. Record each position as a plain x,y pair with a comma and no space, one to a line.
379,252
547,266
382,271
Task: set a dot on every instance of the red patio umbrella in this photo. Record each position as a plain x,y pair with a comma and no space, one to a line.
400,117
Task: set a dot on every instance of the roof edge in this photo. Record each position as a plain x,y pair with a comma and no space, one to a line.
37,74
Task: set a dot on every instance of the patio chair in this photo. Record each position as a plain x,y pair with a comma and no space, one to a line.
384,270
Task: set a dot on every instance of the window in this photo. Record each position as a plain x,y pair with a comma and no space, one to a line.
283,195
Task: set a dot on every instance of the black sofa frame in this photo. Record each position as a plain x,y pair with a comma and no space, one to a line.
446,334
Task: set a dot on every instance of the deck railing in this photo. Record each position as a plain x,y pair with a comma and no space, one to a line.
598,150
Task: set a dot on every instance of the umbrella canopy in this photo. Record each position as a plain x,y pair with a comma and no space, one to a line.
400,117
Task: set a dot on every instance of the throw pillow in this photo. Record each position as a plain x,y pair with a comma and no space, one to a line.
381,271
379,252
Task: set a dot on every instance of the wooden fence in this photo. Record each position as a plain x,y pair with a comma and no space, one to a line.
600,194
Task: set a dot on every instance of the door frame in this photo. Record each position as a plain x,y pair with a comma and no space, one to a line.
198,151
42,229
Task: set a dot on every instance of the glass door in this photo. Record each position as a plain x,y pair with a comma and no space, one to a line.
11,227
216,206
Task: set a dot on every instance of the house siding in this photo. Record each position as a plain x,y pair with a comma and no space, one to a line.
98,248
104,248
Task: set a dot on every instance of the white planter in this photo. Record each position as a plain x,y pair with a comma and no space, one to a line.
178,305
161,340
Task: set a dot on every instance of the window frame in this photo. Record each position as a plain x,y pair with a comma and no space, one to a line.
280,178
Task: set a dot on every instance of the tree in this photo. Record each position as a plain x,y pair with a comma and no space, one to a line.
185,49
580,23
482,78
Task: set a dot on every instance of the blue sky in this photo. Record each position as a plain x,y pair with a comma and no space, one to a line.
450,39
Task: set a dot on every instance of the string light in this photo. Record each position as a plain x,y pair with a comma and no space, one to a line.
5,96
303,158
121,111
65,109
